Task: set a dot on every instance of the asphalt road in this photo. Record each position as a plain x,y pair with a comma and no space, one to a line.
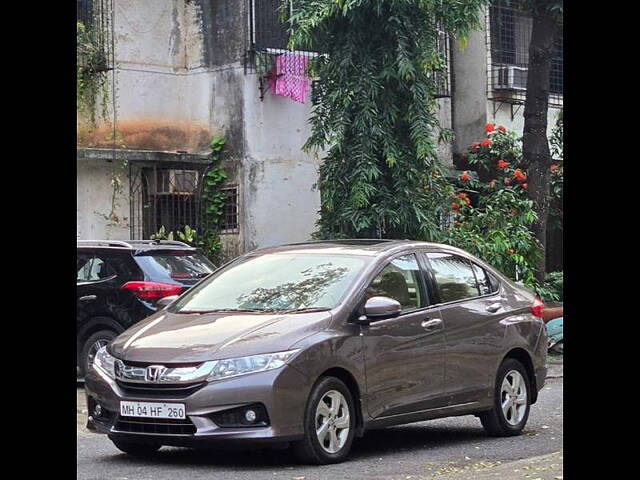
452,448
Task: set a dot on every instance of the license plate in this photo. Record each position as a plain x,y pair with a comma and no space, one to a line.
152,410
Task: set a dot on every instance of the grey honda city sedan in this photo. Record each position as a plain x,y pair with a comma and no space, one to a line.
313,344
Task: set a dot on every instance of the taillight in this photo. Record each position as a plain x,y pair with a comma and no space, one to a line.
152,290
537,307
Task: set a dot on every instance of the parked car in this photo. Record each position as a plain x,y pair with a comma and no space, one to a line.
119,284
313,344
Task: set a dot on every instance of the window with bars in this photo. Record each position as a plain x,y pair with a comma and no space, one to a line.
164,196
508,55
230,209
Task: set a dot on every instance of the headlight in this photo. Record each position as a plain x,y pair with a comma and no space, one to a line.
233,367
103,362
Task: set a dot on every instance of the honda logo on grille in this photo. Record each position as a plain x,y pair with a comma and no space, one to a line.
153,373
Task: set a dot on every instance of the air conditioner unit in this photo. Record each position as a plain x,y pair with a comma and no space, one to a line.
172,182
510,78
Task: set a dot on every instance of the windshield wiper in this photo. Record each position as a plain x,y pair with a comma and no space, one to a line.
303,310
223,310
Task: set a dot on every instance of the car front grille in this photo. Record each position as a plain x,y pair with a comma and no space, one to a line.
160,390
158,426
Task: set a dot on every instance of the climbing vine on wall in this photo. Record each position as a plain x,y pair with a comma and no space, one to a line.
92,78
213,200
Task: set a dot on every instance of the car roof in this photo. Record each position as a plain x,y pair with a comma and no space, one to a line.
137,245
367,247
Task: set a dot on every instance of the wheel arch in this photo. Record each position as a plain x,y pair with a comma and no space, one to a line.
352,384
94,325
521,355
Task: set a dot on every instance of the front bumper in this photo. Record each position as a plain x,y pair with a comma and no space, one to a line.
283,393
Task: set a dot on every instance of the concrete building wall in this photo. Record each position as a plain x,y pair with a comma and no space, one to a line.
94,201
469,66
280,204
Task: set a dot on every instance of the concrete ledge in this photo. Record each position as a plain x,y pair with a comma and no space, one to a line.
141,155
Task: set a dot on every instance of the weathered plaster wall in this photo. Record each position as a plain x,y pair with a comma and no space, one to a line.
469,67
280,204
94,201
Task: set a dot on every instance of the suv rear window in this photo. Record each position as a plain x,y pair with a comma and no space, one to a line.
179,265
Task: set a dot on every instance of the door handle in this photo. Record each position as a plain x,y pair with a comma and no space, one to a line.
494,307
86,298
431,324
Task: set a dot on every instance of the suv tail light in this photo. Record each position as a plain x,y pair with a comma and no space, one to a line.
537,307
152,290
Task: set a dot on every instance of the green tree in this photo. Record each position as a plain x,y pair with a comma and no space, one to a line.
375,110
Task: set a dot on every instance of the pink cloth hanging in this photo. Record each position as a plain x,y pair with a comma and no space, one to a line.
289,78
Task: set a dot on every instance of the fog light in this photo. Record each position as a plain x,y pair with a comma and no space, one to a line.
97,411
250,416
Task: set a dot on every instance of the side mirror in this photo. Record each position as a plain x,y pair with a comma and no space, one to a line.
379,308
164,301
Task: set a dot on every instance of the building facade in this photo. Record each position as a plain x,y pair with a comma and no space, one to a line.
183,71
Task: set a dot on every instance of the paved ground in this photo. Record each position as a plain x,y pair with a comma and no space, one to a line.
447,449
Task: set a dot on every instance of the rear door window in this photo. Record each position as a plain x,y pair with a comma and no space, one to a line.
454,277
178,265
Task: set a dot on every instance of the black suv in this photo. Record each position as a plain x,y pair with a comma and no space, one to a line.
120,282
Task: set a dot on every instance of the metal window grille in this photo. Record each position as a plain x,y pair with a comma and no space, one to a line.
164,195
508,43
443,77
95,16
230,220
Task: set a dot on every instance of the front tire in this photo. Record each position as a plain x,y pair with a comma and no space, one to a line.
329,423
135,449
91,346
512,401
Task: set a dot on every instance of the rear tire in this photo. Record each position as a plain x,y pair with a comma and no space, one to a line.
512,401
136,449
90,347
329,427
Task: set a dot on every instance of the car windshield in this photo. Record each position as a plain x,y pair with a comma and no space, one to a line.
275,282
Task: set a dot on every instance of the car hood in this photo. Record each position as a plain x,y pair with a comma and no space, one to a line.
166,337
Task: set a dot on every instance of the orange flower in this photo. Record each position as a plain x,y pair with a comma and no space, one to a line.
511,251
517,173
464,198
486,142
474,146
502,164
489,127
455,205
525,186
502,129
465,176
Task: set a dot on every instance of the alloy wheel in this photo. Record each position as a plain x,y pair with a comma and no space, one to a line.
513,397
332,421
